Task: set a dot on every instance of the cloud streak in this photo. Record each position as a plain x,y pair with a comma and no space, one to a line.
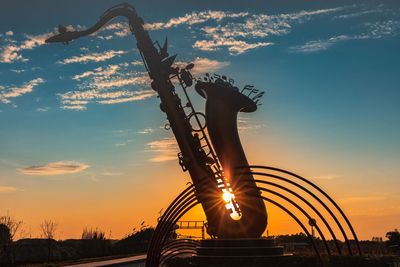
93,57
106,85
163,150
100,71
237,32
241,36
7,93
11,52
194,18
8,189
374,30
55,168
202,65
77,100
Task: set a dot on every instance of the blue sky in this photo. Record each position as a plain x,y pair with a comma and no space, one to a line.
80,119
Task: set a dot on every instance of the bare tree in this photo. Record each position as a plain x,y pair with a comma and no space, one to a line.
48,228
12,224
10,228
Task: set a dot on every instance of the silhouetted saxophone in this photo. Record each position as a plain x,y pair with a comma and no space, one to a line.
228,199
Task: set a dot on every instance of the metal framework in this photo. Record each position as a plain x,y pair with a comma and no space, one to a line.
292,202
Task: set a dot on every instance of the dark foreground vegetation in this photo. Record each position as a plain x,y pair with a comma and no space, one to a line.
299,253
289,261
93,244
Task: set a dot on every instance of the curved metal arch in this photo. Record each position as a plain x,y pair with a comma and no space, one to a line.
290,214
178,248
316,198
298,222
172,251
182,240
168,220
185,207
311,206
302,211
166,227
174,255
323,193
179,243
154,258
183,212
165,222
189,191
187,200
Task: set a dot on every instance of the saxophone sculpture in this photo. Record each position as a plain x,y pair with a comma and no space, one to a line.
228,199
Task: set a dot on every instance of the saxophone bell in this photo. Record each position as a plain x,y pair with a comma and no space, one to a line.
223,103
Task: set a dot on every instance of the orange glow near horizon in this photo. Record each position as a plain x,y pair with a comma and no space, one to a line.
118,204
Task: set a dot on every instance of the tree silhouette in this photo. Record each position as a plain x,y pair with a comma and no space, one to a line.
394,237
5,244
48,229
94,243
12,224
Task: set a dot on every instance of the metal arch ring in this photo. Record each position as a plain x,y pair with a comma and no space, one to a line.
167,126
196,114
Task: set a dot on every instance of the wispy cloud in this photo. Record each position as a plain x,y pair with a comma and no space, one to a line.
381,29
43,109
8,189
55,168
247,124
357,14
146,131
121,81
237,36
374,30
17,71
202,65
136,95
111,173
93,57
106,85
137,63
78,99
320,45
7,93
194,18
74,107
164,149
234,31
235,47
100,71
11,51
120,144
116,29
10,54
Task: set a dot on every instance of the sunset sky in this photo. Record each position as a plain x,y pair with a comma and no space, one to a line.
81,134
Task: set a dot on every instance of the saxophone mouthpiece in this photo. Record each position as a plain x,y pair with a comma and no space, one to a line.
64,38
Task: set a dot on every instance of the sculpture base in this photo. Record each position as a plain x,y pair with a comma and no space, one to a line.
233,252
242,248
285,261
